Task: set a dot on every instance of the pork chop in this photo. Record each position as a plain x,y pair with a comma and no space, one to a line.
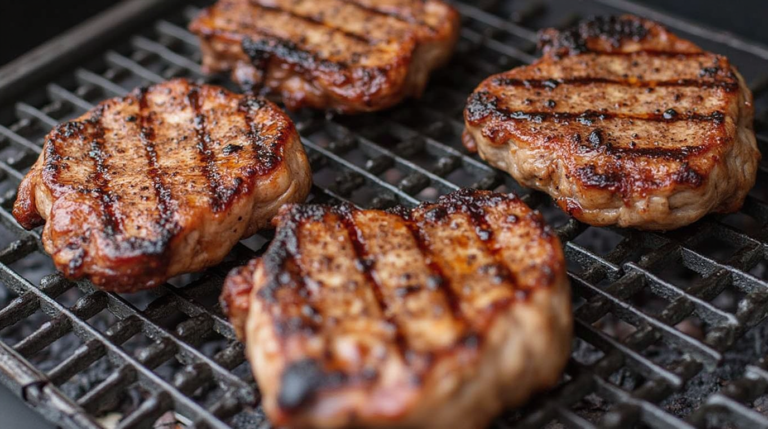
623,123
161,182
343,55
435,318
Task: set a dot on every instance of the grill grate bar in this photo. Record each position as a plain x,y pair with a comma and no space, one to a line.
478,38
50,400
24,110
80,359
641,364
669,291
87,332
145,44
342,163
696,348
120,305
121,61
495,22
87,77
19,140
180,33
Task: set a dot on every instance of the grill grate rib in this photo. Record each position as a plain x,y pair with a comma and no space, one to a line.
669,330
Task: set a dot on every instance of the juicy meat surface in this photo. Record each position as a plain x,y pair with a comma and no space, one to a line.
435,318
344,55
623,123
161,182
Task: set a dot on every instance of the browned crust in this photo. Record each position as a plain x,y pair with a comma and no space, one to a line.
86,239
276,277
260,60
629,172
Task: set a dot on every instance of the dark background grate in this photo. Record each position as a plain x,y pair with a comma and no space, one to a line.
669,332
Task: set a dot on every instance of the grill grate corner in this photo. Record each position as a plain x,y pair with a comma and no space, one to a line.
670,329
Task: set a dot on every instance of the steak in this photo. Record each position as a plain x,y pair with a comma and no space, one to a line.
439,317
161,182
622,123
343,55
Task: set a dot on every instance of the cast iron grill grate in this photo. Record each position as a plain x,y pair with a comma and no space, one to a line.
668,331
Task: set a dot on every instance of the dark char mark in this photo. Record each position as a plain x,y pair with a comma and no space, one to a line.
260,51
231,148
105,196
614,180
318,20
727,85
473,204
279,260
282,267
589,176
611,28
270,156
167,227
482,104
301,380
220,198
439,279
345,212
598,142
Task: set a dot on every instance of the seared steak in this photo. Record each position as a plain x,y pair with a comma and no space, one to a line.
344,55
161,182
623,124
437,318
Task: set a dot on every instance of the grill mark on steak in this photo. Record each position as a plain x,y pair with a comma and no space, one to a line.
166,224
262,50
106,198
399,17
314,20
729,86
219,197
285,249
361,253
268,158
441,281
669,153
282,262
467,202
615,181
482,104
484,232
589,117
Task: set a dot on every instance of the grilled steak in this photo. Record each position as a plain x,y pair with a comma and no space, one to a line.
161,182
345,55
437,318
623,124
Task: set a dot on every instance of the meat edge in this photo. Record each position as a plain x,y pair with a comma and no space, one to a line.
518,338
197,246
301,87
723,191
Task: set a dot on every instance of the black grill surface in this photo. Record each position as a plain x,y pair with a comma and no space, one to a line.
668,326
